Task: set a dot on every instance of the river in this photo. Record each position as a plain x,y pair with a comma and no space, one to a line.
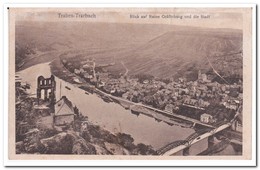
111,116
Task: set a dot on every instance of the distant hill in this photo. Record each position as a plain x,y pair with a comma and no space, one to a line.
160,50
49,35
41,37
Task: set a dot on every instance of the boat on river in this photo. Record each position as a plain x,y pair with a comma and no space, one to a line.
106,99
67,88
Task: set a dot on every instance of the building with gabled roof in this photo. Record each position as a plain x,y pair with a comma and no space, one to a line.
206,118
64,112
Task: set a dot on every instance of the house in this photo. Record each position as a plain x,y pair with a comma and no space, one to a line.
125,95
76,80
202,88
145,81
86,66
184,90
82,71
204,77
89,76
186,101
112,91
64,112
206,118
169,108
101,84
203,103
193,102
76,71
230,105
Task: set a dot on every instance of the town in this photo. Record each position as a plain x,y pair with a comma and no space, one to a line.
44,121
206,100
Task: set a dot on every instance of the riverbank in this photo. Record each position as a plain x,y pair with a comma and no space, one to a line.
60,71
135,109
34,136
110,116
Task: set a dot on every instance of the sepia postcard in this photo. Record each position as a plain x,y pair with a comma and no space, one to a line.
152,83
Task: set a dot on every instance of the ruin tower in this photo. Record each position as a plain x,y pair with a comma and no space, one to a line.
46,89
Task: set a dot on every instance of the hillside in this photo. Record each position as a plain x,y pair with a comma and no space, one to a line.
34,38
160,50
82,35
178,53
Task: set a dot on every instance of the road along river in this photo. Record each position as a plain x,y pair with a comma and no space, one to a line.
112,116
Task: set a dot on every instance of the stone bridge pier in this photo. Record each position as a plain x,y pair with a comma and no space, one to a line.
186,151
210,141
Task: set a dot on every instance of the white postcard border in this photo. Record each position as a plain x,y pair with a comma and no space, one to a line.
128,162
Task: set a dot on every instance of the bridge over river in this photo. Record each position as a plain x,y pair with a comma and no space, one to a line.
179,145
209,133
